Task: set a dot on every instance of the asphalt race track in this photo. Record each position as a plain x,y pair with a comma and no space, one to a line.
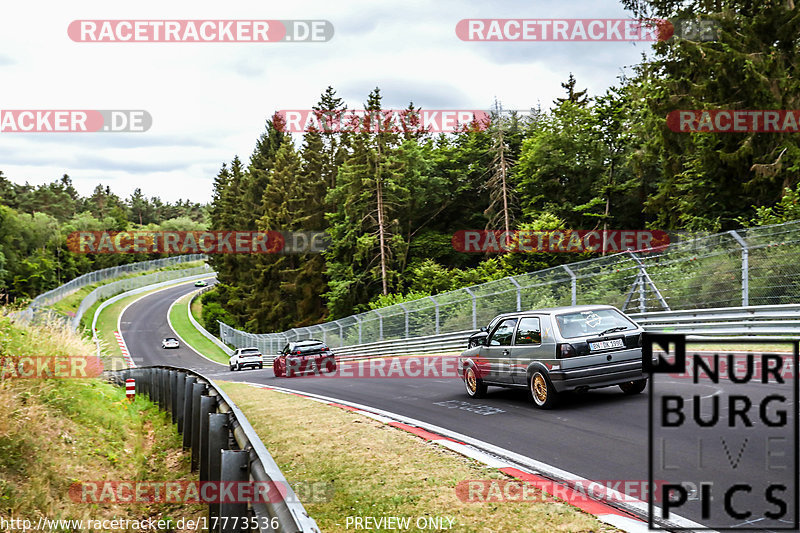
599,435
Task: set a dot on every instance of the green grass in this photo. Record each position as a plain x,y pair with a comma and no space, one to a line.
372,469
70,304
735,347
56,432
179,317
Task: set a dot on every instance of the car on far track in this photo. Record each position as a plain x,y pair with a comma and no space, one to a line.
201,283
555,350
170,342
304,357
246,357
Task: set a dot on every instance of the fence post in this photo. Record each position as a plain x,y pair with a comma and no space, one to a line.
474,308
405,310
745,268
436,308
359,327
573,284
380,324
519,292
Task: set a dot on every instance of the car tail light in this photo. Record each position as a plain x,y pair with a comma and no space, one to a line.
565,350
326,349
298,352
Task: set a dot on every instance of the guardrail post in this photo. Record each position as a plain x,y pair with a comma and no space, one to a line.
474,308
207,406
573,284
745,268
187,411
163,379
217,441
436,310
180,390
198,389
234,468
173,394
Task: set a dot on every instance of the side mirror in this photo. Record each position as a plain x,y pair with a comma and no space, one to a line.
478,339
484,328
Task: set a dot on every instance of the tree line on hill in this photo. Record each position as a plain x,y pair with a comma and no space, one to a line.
391,200
35,222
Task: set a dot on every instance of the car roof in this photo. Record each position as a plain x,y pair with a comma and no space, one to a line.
557,310
307,342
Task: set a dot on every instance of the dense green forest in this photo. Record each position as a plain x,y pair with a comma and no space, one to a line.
392,201
35,222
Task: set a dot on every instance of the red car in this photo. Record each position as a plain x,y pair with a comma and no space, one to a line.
304,357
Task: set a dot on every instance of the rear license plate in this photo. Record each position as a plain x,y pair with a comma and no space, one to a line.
605,345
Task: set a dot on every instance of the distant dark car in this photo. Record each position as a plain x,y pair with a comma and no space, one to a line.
304,357
170,342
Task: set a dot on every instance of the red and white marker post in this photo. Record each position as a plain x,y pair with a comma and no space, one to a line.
130,388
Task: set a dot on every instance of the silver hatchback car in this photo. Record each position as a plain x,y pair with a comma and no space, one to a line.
550,351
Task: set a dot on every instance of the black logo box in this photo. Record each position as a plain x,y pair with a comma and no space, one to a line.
678,366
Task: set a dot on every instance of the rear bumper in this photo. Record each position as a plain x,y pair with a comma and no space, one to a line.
251,362
597,376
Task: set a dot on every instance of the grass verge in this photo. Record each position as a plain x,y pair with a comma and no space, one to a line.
377,470
731,347
57,432
179,318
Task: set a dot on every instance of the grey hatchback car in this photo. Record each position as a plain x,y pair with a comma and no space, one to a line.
553,350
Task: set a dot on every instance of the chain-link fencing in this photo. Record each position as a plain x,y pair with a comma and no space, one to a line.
38,308
755,266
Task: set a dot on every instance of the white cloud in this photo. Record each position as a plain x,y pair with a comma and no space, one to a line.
209,102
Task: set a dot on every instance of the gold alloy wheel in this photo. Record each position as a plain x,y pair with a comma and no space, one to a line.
539,389
472,381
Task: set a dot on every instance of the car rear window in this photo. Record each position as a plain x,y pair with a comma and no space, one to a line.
591,322
250,351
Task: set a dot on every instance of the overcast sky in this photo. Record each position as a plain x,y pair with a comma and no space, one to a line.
209,101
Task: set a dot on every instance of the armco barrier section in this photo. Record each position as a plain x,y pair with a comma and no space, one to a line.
775,321
224,447
203,331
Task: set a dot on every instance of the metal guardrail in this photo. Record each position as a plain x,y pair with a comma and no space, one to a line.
775,321
203,331
224,447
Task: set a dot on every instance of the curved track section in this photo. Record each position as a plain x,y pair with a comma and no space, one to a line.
598,435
